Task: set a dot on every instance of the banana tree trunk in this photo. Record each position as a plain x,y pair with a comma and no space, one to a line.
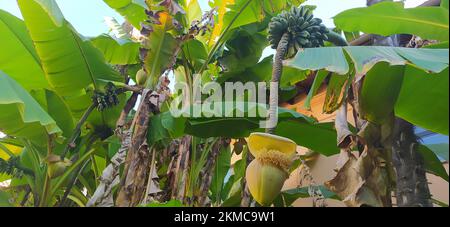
411,183
179,169
208,171
137,166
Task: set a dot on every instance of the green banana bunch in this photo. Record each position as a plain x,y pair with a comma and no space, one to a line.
107,99
304,30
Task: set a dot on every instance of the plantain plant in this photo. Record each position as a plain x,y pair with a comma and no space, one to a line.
76,135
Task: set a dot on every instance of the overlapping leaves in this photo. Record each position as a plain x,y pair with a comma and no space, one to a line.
425,65
21,115
72,65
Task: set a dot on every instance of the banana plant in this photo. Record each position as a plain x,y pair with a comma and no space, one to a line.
79,132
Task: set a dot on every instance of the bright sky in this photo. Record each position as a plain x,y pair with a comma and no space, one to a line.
87,15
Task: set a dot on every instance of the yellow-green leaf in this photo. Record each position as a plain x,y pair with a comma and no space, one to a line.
21,115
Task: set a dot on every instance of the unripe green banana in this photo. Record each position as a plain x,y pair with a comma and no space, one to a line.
56,167
141,77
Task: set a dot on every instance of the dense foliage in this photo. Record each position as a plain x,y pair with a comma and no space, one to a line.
77,133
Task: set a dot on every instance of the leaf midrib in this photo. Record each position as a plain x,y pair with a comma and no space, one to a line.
88,66
158,52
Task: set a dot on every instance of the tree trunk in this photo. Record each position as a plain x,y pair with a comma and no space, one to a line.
180,169
412,185
137,164
208,171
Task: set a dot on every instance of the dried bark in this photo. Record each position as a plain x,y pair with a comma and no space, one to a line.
153,190
208,170
103,195
178,169
121,122
138,159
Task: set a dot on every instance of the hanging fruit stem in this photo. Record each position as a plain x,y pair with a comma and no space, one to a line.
336,39
77,130
282,49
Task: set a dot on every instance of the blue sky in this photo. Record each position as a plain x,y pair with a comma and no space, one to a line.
87,15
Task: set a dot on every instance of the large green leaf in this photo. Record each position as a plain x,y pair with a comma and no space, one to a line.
18,57
380,91
389,18
319,137
221,6
423,99
256,11
318,82
253,12
193,11
21,115
220,171
161,49
331,59
73,66
441,150
157,133
444,4
5,199
132,10
305,131
195,52
262,72
288,197
364,58
418,88
117,51
432,163
243,50
56,108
